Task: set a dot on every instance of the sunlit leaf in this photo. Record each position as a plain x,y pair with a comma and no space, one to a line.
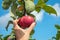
45,1
13,9
50,10
7,1
5,5
40,2
32,0
39,5
9,22
20,2
13,17
37,8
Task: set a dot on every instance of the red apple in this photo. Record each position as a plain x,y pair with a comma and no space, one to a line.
25,21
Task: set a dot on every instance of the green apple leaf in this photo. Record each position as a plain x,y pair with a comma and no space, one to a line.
40,2
32,32
45,1
49,9
20,3
19,13
39,5
32,39
37,8
1,36
13,17
9,22
13,9
57,26
32,0
5,38
5,5
7,1
30,15
58,35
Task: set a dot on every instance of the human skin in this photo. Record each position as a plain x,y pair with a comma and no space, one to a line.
22,34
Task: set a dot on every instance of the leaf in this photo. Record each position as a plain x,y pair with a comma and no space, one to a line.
9,22
12,35
32,32
13,9
58,35
40,2
37,8
19,0
57,26
19,13
20,3
44,1
32,39
5,5
30,15
49,9
13,1
5,38
7,1
13,17
39,5
32,0
1,36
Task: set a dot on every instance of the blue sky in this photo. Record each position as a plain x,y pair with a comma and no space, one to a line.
44,29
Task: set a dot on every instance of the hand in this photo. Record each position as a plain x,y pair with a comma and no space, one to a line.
22,34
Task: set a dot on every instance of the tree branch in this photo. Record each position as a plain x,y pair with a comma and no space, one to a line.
24,8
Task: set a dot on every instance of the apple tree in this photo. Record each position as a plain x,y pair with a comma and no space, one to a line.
19,8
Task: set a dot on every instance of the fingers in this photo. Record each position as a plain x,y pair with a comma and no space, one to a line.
16,27
15,22
31,27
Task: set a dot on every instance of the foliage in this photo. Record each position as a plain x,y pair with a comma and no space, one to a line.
58,32
21,7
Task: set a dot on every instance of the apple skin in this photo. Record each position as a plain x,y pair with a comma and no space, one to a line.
25,21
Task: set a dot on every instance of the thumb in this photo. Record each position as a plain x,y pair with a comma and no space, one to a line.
16,26
15,23
31,27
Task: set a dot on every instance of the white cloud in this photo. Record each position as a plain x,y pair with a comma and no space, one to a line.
4,19
39,16
57,8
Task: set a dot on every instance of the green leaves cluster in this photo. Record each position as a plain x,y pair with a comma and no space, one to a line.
42,5
58,32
